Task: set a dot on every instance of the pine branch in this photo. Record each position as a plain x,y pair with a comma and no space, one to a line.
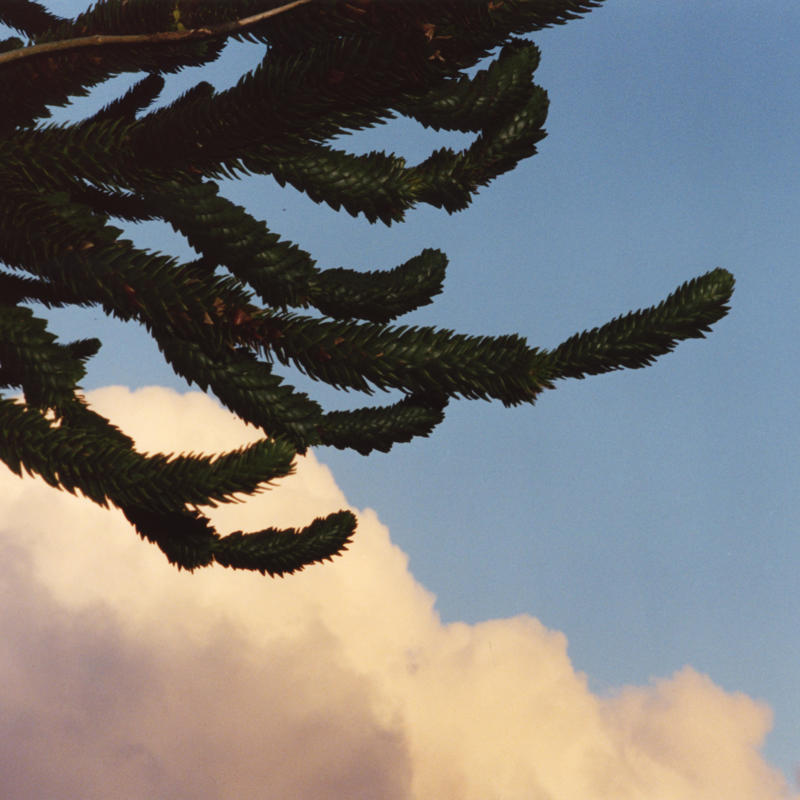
27,16
281,552
16,289
417,360
379,296
247,387
163,37
56,450
31,359
227,235
636,339
340,85
469,104
189,541
332,68
377,185
138,97
368,429
186,537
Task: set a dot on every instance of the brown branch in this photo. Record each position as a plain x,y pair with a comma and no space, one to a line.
102,40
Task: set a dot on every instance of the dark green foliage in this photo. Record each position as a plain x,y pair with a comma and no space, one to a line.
636,339
379,296
137,98
28,17
227,319
285,551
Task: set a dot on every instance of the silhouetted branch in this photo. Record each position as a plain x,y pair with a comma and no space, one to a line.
167,37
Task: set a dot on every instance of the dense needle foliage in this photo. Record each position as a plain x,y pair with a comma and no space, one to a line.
226,320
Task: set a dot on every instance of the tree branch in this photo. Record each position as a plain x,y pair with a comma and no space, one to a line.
102,40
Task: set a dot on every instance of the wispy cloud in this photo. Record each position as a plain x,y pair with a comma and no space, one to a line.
124,678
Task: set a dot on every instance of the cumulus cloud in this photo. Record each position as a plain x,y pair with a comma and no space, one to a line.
124,678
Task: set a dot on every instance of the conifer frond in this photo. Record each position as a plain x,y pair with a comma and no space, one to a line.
56,449
34,361
229,320
247,387
185,536
377,185
414,359
189,541
27,16
638,338
227,235
368,429
138,97
379,296
469,104
282,552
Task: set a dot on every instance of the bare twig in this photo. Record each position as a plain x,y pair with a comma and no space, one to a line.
101,40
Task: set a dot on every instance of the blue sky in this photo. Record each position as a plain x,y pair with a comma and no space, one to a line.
651,515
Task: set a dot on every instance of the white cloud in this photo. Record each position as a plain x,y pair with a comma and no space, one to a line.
125,678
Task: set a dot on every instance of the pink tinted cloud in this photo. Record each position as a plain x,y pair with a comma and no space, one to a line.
123,678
